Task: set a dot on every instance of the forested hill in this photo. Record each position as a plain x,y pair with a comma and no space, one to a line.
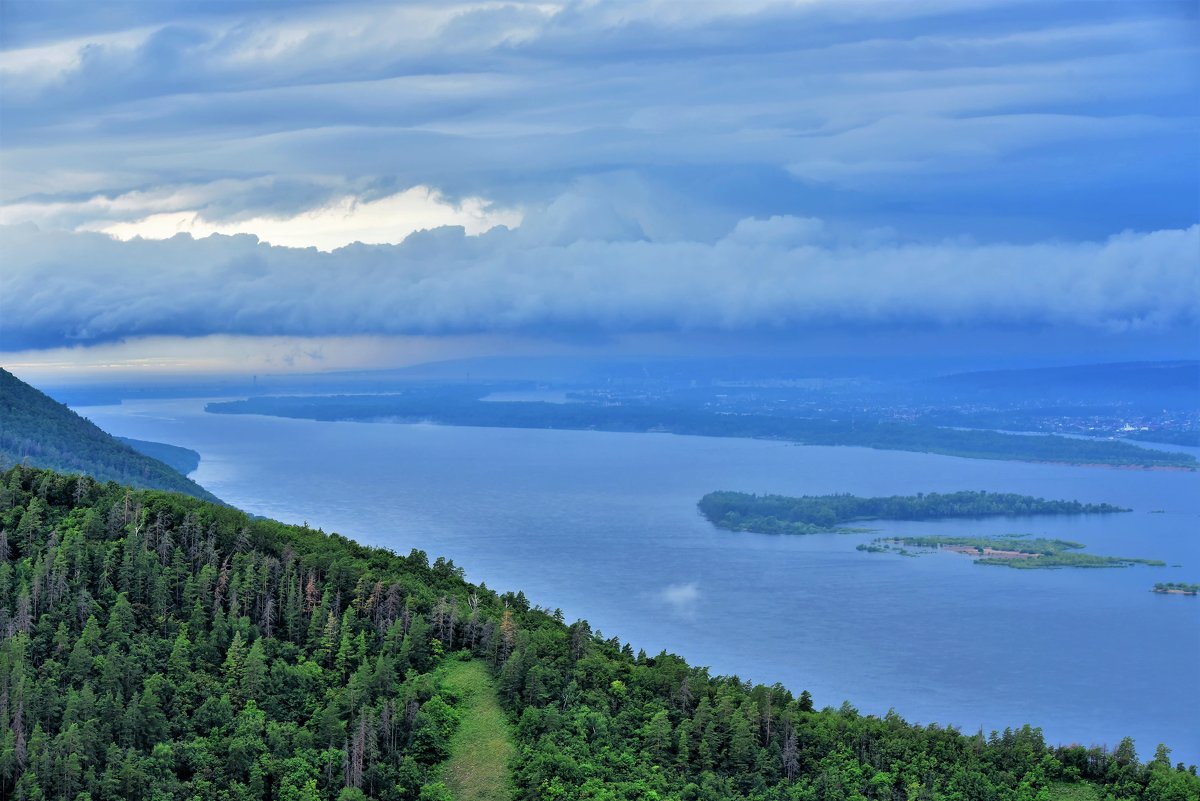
158,647
38,429
182,460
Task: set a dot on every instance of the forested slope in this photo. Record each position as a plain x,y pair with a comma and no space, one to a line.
182,460
37,429
159,647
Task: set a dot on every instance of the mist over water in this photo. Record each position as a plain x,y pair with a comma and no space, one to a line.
605,526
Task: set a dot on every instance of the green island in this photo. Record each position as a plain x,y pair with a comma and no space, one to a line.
819,514
1014,550
159,647
1176,588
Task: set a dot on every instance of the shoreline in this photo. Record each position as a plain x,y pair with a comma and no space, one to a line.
1173,468
222,407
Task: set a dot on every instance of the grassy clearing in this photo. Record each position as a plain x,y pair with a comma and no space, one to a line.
1074,792
481,748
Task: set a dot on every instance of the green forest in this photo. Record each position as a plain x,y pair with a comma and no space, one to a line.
161,647
816,514
42,432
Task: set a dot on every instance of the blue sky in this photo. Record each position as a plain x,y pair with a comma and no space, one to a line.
214,185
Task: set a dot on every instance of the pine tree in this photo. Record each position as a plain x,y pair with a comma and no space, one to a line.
255,677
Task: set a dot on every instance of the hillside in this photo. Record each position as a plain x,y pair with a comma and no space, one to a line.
182,460
37,429
161,647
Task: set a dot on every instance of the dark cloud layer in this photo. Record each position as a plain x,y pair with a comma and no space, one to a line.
1060,118
711,166
782,274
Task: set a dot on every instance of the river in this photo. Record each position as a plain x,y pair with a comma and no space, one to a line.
605,527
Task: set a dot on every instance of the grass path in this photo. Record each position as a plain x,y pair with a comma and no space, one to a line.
481,748
1081,791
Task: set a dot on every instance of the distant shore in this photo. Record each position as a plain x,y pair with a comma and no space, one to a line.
1174,468
461,406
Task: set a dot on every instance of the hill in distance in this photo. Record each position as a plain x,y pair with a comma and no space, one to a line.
37,429
184,460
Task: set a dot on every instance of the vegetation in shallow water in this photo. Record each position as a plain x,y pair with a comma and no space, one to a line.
1177,588
1015,551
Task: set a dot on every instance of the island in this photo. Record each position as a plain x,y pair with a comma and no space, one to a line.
1176,588
1011,550
821,514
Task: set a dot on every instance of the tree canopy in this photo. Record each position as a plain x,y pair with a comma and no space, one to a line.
160,647
42,432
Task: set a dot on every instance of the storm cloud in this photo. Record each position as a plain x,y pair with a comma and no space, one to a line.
596,169
952,117
775,274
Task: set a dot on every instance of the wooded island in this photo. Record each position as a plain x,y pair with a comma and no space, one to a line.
818,514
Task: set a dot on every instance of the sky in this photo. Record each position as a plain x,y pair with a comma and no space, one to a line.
245,186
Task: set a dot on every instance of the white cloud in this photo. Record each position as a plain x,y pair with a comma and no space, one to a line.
344,220
31,69
681,598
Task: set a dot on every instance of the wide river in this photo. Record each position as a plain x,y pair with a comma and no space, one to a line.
605,527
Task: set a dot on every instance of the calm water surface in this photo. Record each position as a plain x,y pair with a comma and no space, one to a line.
605,526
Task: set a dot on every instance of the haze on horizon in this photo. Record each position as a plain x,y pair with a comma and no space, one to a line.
204,187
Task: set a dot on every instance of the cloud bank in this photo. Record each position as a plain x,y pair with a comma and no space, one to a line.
593,170
776,274
1054,118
